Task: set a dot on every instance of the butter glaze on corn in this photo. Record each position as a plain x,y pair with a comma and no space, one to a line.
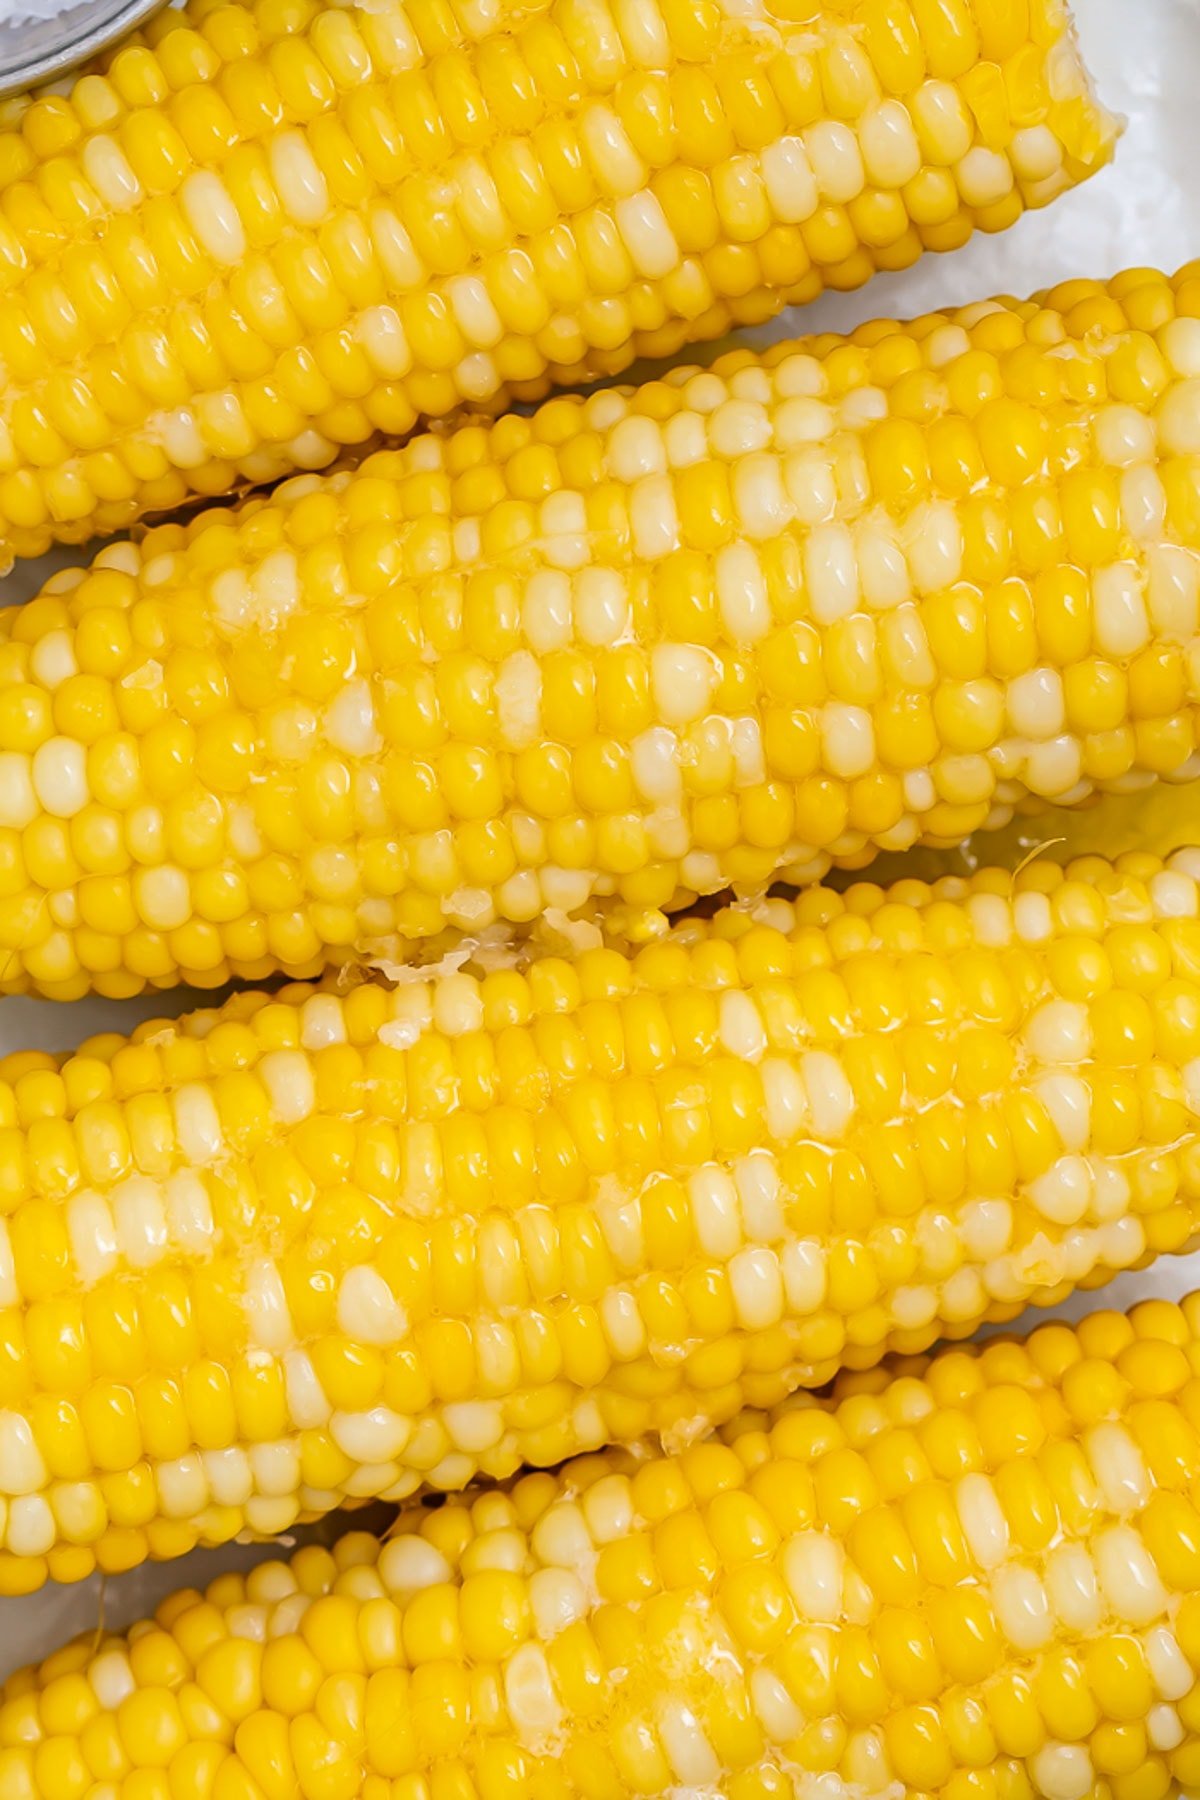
1153,820
976,1579
268,231
731,625
313,1247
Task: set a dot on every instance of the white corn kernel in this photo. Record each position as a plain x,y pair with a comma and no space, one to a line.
1073,1589
59,776
890,151
1059,1032
111,1678
830,1095
197,1125
367,1310
1062,1771
813,1565
691,1756
982,1519
409,1563
95,1247
297,175
288,1078
836,161
1128,1576
557,1599
31,1529
804,1276
741,1027
1022,1607
1064,1193
533,1705
716,1215
756,1285
1118,1466
786,1100
189,1211
789,180
742,594
1179,418
683,677
831,573
984,177
1122,627
308,1407
778,1713
377,1436
140,1221
209,209
268,1320
759,1189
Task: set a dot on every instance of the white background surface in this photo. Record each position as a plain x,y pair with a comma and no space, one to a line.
1145,55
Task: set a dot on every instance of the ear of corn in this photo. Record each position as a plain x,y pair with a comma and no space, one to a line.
979,1579
732,625
324,1246
265,232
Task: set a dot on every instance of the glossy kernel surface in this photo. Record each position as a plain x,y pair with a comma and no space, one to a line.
265,232
971,1576
328,1244
736,624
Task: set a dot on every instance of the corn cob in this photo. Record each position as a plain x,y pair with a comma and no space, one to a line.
268,231
321,1246
733,625
976,1580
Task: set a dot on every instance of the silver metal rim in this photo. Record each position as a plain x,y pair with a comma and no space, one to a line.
37,68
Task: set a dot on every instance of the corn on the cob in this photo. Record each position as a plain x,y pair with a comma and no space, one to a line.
734,624
977,1580
268,231
319,1246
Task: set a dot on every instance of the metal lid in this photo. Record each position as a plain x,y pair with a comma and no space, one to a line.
39,50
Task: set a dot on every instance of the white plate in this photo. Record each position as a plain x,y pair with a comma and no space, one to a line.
1144,210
